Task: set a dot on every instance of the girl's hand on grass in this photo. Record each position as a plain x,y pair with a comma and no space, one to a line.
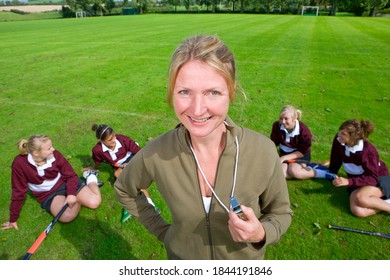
8,225
340,182
249,230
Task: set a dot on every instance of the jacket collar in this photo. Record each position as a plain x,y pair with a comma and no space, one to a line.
232,131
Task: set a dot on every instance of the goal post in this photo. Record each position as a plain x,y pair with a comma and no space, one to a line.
310,10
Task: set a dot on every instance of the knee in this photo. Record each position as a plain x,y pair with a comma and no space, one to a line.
361,199
296,173
94,203
360,212
67,217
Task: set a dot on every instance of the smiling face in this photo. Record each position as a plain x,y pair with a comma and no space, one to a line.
201,99
110,141
288,120
344,137
46,152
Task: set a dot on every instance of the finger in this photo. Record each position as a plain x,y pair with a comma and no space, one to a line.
7,227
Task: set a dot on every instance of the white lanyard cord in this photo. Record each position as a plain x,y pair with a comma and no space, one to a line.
207,182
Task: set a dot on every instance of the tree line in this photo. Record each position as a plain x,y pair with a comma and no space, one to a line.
111,7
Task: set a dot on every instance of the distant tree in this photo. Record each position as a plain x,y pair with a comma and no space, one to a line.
367,7
109,4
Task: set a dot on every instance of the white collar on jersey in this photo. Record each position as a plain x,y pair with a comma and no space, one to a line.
41,169
357,148
114,151
293,133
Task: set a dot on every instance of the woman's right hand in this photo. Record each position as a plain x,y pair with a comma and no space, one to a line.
8,225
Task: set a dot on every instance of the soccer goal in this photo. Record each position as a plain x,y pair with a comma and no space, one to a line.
310,10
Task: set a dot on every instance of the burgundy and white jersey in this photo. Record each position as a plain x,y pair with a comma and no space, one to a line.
361,162
124,148
40,180
297,140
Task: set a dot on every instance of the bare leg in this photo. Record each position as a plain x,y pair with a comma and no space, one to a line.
70,213
89,196
285,171
366,201
300,171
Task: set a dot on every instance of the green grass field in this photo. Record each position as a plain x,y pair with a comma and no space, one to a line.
58,77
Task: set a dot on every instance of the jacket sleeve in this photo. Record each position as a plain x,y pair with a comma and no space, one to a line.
19,190
274,133
304,139
132,146
128,185
97,156
275,203
336,156
370,165
68,174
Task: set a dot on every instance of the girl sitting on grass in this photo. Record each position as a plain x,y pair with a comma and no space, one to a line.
116,150
368,181
293,138
51,180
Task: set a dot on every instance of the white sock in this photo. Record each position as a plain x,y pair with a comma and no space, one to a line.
92,179
150,201
320,173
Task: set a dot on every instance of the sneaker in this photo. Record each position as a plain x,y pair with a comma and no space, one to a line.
330,176
125,216
90,172
318,166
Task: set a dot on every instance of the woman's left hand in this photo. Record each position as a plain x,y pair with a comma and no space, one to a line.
249,230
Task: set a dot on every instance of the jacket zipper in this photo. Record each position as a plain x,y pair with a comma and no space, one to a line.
209,234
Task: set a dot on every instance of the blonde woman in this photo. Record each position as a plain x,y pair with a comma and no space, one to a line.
206,162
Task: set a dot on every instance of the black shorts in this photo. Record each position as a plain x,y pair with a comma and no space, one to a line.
60,191
305,157
384,185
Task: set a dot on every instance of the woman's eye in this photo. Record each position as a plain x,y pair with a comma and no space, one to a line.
184,92
214,92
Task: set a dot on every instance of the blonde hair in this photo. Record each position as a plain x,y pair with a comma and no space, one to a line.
207,49
296,113
34,143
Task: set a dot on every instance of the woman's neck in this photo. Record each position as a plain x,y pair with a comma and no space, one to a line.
211,143
39,161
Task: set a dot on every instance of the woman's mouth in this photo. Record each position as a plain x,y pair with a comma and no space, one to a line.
200,120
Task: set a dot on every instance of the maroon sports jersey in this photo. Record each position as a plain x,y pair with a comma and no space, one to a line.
300,141
40,181
361,163
100,153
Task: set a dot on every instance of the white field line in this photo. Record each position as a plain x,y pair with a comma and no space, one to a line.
2,101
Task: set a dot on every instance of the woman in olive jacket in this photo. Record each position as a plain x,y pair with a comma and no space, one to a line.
206,161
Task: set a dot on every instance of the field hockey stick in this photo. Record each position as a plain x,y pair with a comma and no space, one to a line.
44,234
297,160
380,234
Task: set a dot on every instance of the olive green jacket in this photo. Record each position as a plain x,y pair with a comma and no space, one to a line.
193,234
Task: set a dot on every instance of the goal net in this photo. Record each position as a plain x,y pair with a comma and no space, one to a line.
310,10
